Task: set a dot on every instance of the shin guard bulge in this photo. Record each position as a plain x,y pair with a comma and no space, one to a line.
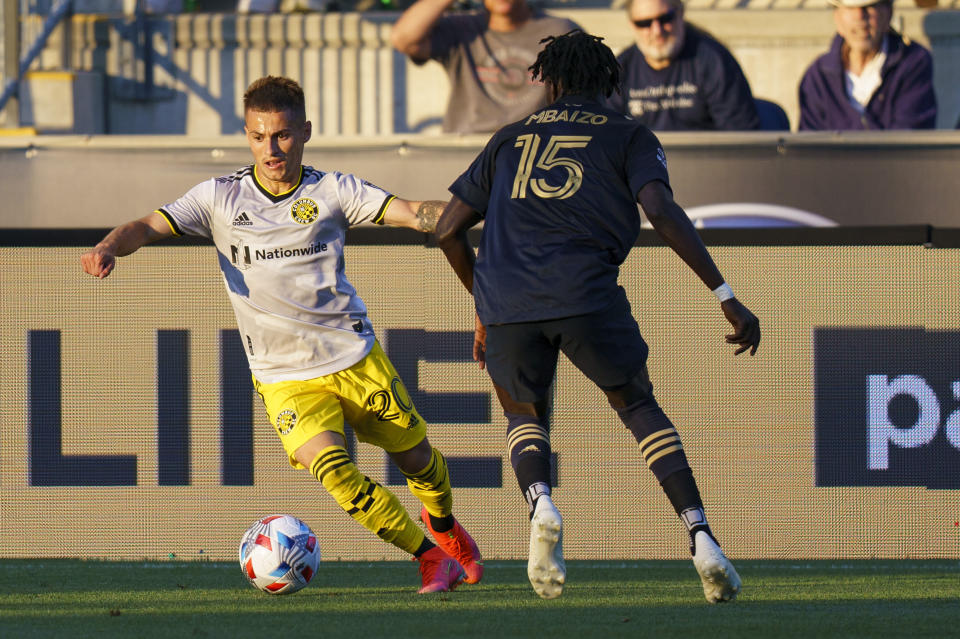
374,507
432,486
658,439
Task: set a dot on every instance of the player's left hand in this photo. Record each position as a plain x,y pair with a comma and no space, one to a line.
746,326
479,343
98,262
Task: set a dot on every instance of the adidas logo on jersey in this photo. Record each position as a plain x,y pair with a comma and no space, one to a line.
242,220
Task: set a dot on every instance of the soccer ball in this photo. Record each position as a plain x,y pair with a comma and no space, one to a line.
279,554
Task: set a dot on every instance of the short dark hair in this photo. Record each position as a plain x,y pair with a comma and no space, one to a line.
272,94
578,63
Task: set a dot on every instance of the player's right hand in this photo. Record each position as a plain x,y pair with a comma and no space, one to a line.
98,262
745,324
479,343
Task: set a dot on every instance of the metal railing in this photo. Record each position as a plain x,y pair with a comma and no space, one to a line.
61,10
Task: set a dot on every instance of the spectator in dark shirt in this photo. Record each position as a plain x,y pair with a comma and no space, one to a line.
677,77
871,78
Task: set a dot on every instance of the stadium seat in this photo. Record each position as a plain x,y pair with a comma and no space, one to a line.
772,116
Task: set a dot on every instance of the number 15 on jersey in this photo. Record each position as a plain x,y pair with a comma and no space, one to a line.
550,158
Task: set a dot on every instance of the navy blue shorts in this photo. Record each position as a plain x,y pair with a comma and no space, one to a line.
606,346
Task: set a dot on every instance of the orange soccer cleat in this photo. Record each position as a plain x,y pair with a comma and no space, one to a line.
458,543
439,572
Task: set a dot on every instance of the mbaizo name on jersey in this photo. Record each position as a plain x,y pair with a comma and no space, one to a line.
566,115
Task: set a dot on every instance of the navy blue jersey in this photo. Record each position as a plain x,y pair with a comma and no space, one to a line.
558,194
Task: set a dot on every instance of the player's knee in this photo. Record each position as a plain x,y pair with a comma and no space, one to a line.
512,406
416,460
637,391
361,497
637,408
643,418
432,475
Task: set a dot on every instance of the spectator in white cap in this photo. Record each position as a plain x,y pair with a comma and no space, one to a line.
871,78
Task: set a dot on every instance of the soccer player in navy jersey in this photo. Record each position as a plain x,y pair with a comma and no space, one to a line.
279,230
557,193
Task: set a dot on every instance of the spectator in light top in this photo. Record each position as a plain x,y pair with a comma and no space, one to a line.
486,55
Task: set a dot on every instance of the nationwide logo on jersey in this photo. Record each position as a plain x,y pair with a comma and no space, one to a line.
242,220
286,420
240,255
304,211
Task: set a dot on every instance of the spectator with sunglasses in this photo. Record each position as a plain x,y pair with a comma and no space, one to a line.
871,78
678,77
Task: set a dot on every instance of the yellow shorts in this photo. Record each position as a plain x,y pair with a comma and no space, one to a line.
369,396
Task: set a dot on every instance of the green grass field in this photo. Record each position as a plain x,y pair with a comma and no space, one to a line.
366,600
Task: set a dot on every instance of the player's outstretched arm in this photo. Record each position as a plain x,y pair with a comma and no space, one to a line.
672,224
419,216
451,235
458,217
124,240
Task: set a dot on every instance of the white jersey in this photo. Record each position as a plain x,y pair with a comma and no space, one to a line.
282,262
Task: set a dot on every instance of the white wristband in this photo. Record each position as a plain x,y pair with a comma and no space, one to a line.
723,292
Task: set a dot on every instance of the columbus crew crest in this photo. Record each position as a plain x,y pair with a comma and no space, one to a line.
304,211
286,420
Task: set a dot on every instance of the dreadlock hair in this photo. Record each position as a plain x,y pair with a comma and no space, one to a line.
272,94
577,63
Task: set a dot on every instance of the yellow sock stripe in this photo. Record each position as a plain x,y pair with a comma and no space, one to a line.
665,451
527,428
526,431
364,500
432,486
433,475
656,435
660,443
327,460
653,447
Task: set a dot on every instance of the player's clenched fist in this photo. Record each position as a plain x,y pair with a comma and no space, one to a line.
98,262
124,240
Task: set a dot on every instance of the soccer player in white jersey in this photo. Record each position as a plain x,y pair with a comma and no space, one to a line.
279,229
